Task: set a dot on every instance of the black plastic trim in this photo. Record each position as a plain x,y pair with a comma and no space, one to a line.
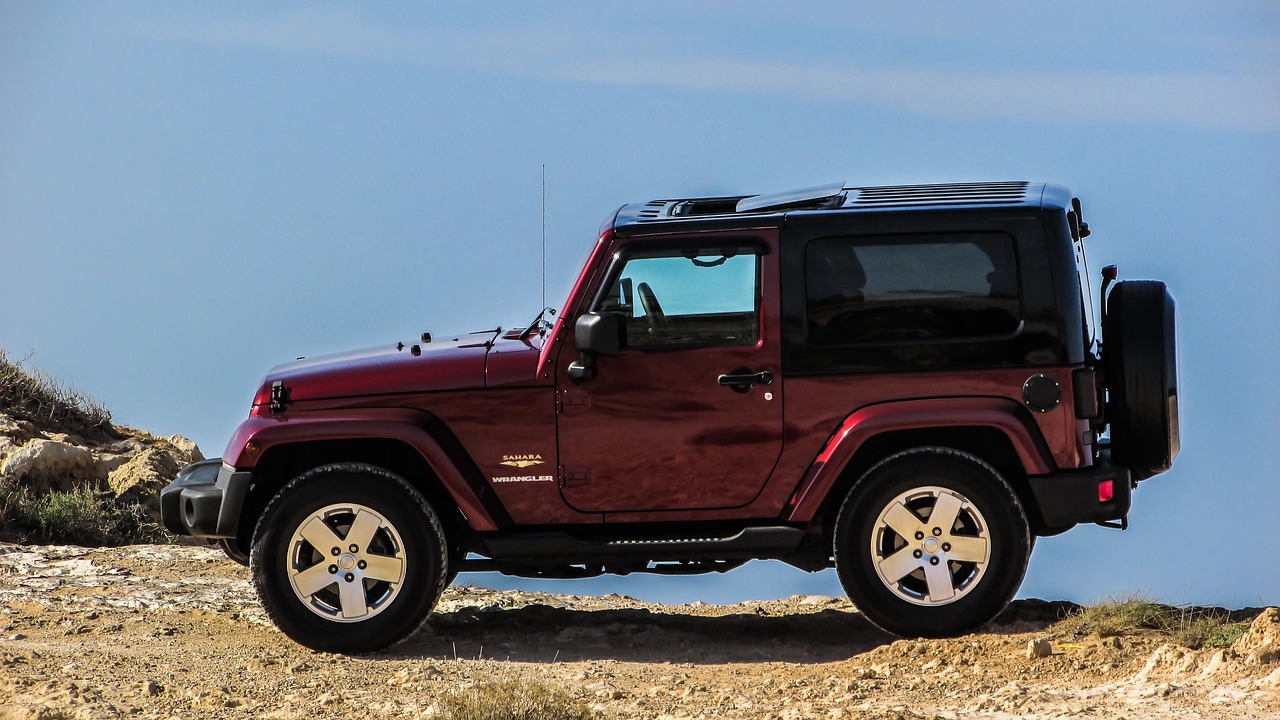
564,548
1071,497
205,500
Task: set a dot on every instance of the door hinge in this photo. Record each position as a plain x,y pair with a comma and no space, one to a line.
572,398
574,476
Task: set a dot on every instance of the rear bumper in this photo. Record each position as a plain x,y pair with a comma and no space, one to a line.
1067,498
204,500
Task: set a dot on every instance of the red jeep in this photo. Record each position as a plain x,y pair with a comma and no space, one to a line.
905,383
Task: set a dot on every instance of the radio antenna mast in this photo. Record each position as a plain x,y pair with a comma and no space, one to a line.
544,235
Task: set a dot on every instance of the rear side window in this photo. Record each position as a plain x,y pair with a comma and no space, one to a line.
887,289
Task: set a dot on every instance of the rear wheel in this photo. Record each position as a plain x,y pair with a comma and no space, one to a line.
348,558
931,542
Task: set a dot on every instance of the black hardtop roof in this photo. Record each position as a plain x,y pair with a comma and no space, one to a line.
835,197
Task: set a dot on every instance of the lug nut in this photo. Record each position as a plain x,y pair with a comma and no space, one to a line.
337,552
933,561
917,553
362,564
946,547
351,576
919,535
937,532
355,549
333,569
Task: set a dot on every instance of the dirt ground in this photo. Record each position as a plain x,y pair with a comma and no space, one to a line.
176,632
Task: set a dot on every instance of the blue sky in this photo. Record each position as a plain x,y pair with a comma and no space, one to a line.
191,193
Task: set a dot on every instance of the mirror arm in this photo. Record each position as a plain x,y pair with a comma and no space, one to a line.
582,369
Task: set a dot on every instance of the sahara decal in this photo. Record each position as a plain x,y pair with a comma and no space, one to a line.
522,461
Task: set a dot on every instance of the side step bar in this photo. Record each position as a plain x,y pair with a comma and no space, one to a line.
543,547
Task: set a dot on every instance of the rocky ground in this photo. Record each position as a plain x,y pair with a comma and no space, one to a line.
130,464
175,631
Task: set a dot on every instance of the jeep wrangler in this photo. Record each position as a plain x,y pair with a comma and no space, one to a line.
904,383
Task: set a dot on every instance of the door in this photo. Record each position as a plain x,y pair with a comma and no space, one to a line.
689,414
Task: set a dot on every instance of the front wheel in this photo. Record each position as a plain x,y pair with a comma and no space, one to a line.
348,558
931,542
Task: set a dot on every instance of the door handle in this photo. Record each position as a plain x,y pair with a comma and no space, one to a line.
764,377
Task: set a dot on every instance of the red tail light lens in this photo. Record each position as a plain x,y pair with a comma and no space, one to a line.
1106,491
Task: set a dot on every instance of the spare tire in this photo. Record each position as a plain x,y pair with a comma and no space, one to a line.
1140,364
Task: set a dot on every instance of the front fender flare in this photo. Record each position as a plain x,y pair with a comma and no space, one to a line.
1001,414
255,436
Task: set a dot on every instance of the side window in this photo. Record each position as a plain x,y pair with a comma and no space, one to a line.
895,289
688,299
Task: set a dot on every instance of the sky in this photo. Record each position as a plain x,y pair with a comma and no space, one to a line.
191,193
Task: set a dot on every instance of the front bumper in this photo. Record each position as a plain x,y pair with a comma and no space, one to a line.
1070,497
204,500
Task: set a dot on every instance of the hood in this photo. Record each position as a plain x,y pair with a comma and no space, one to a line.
451,363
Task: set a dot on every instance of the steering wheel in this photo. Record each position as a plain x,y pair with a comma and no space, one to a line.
649,302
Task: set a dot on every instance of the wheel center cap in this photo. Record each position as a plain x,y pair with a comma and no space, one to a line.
348,561
931,546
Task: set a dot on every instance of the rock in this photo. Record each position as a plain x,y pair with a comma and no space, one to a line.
141,478
1260,645
1216,663
19,430
1161,661
188,451
45,465
1039,648
110,461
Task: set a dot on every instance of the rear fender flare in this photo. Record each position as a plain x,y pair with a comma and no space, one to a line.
868,422
256,436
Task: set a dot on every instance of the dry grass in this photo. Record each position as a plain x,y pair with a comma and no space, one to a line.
82,516
513,699
1191,627
79,517
32,395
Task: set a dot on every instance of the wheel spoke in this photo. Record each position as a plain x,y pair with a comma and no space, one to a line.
899,565
362,529
319,535
354,604
968,549
381,567
939,579
313,579
903,521
945,511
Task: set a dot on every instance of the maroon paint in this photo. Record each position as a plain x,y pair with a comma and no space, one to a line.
400,424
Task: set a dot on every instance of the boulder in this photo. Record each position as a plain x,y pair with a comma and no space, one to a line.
143,476
19,430
188,451
1260,645
45,465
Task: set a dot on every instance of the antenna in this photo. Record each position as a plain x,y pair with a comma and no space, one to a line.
544,235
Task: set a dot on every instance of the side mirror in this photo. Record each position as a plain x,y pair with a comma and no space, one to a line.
600,333
596,333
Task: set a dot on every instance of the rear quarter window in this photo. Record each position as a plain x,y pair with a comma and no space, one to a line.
894,289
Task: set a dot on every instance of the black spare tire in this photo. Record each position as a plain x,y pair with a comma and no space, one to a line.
1140,364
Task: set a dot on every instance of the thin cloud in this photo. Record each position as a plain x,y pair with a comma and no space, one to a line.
1237,99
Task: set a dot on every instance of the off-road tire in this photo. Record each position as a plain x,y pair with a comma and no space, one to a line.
1139,354
918,481
410,529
